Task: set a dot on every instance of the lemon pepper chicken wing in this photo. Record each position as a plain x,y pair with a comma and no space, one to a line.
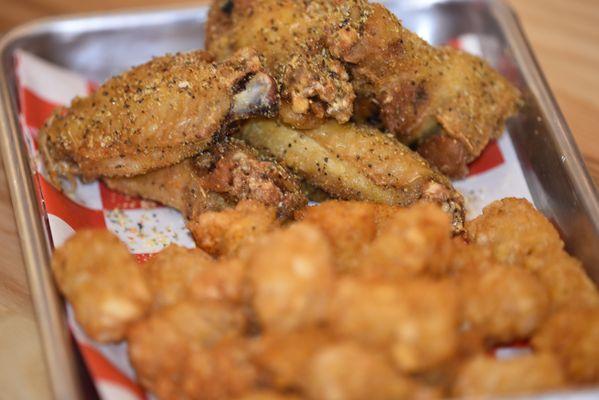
230,171
445,102
355,162
154,115
291,35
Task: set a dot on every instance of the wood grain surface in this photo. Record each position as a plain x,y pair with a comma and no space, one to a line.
564,35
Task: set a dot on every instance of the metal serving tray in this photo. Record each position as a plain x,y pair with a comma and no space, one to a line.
99,45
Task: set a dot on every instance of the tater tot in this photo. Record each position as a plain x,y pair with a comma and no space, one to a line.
504,303
224,233
412,241
417,321
573,336
291,276
170,272
348,371
161,345
103,283
349,226
486,376
514,230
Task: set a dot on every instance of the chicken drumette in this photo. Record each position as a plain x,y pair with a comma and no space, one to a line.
154,115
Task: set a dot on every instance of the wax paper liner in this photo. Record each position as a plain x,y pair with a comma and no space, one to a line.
147,227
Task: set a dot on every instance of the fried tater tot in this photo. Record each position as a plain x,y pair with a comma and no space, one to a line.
267,395
566,280
412,241
161,345
487,376
349,226
224,233
223,372
514,230
505,303
225,281
416,320
103,283
348,371
169,273
573,336
291,275
284,357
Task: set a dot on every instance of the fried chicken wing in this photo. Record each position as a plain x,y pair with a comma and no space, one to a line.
446,102
230,171
419,331
324,53
291,35
572,335
356,162
103,283
154,115
484,376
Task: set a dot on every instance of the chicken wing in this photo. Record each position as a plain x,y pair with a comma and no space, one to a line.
290,34
443,101
230,171
356,162
154,115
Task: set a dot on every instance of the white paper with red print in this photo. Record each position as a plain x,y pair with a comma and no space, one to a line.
147,227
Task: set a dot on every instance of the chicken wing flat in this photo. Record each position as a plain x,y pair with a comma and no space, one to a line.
355,162
290,34
445,102
217,179
154,115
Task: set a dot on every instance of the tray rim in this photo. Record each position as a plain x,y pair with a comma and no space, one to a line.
59,354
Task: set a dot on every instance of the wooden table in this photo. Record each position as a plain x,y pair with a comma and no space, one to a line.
563,33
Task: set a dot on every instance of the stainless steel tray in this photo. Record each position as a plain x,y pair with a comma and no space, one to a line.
99,45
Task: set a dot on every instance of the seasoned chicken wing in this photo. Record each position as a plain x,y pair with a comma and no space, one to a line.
103,283
324,53
154,115
356,162
445,102
292,37
230,171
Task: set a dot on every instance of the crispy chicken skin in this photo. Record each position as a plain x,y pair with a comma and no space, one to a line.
154,115
230,171
103,283
355,162
447,103
292,37
443,101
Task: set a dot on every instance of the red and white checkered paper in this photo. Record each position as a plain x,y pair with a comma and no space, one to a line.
147,227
